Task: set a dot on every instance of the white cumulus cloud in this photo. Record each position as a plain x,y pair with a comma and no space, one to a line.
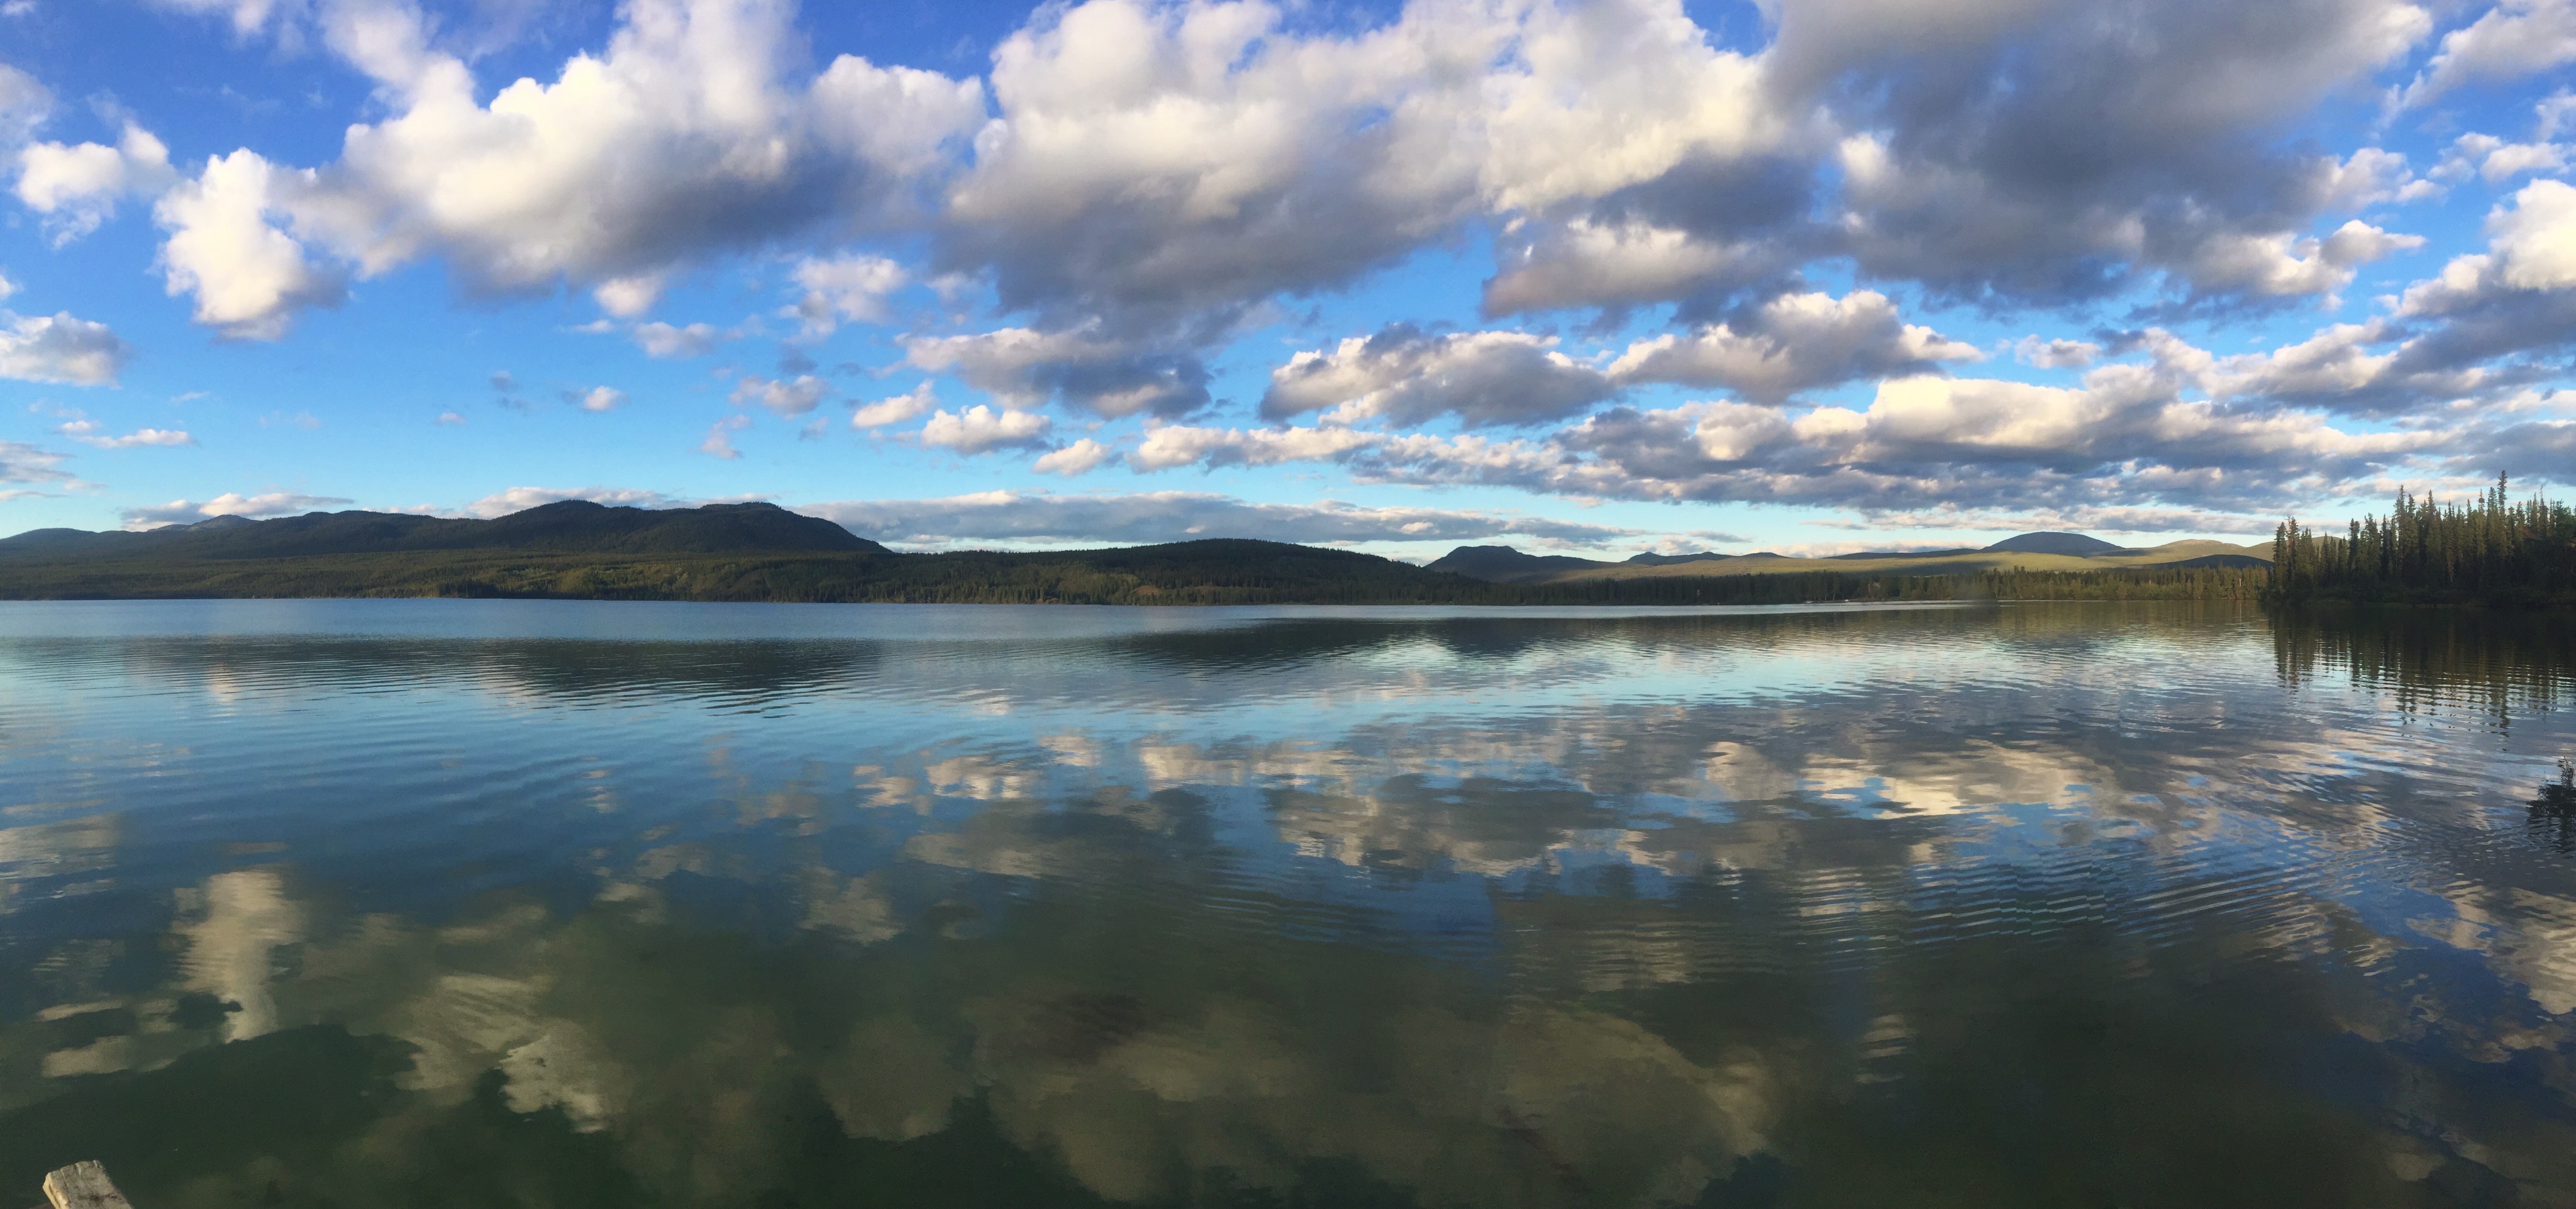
520,499
685,137
884,413
1167,516
852,287
248,276
981,429
60,348
2514,38
254,507
21,462
1074,460
1404,375
789,398
664,341
77,187
1794,343
90,432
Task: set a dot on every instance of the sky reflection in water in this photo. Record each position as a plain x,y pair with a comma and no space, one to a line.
564,904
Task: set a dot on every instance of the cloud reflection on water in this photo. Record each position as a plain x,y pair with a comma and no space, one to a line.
2011,907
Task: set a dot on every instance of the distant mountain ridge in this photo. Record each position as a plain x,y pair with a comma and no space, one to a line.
761,552
2051,551
2076,544
570,525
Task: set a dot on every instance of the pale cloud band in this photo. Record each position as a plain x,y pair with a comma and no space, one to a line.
1168,516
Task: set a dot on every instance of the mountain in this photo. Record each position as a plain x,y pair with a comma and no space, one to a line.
1903,554
743,552
1505,565
571,525
2073,544
1666,560
759,552
2048,552
2239,561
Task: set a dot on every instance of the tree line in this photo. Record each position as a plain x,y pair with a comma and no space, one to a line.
2489,549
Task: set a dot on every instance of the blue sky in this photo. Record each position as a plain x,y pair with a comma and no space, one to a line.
1806,275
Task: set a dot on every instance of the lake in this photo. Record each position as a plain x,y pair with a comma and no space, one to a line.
559,904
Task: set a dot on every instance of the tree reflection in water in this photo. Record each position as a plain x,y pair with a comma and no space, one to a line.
2553,813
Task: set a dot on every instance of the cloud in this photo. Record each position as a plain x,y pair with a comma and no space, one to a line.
685,138
1790,344
981,429
602,398
1152,164
2535,240
1135,187
449,418
2536,449
1168,516
89,432
2336,369
2053,152
247,17
1622,260
2496,161
852,287
2122,414
1179,445
887,412
2123,438
1074,460
2083,518
76,188
60,348
661,340
1406,376
25,103
249,277
1153,173
1795,343
254,507
788,398
24,463
2280,265
1144,178
718,442
2517,297
2514,38
520,499
1024,368
2161,434
2056,354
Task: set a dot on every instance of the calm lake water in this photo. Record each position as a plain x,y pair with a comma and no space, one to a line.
553,904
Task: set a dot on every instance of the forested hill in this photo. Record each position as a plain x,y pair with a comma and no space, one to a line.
743,552
568,527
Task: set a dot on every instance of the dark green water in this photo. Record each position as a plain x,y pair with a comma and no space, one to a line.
492,904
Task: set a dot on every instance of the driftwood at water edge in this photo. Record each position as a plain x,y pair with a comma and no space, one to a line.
83,1186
